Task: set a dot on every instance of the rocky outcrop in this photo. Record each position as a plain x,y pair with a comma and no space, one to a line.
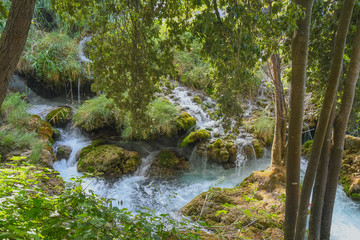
107,160
60,116
63,152
253,210
167,164
350,169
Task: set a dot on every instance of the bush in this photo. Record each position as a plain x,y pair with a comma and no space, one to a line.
73,214
52,58
194,70
14,110
264,128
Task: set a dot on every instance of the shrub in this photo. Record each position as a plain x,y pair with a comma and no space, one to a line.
98,112
194,70
14,110
264,128
72,213
52,58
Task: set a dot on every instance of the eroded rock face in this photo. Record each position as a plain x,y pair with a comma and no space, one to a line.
63,152
60,116
108,160
167,164
253,210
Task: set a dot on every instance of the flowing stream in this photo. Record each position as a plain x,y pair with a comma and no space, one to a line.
169,195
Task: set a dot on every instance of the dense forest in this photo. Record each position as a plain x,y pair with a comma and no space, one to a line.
174,119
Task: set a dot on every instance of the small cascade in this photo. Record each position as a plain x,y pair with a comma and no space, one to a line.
82,59
306,135
146,162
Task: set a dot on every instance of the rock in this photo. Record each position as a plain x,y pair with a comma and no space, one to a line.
63,152
222,151
60,116
194,137
352,144
185,122
167,163
197,99
56,134
259,150
253,210
108,160
354,185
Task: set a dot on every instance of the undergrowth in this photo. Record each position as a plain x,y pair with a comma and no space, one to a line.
15,133
29,211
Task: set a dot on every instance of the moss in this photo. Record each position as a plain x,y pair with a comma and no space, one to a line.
185,122
56,134
108,160
306,148
222,151
197,99
352,144
91,147
259,150
59,117
46,132
195,136
167,163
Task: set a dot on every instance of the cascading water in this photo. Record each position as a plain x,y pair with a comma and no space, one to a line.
169,195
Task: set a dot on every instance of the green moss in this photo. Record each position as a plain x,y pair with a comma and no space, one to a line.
195,136
259,150
306,148
185,122
110,160
60,116
91,147
167,163
197,99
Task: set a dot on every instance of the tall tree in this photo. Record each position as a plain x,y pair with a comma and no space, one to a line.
336,68
13,40
339,137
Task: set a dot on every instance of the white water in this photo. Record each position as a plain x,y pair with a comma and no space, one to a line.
168,196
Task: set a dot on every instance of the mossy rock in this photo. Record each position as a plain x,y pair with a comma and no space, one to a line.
108,160
352,144
60,116
63,152
259,150
306,148
167,164
249,210
350,176
222,151
201,134
185,122
197,99
46,132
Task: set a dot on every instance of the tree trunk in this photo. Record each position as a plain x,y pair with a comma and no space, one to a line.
277,150
330,95
13,40
298,78
339,136
317,202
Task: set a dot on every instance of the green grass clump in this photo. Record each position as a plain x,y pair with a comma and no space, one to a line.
97,113
52,58
264,128
17,133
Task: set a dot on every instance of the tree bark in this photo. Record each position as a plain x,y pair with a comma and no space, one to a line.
298,78
278,146
317,202
339,137
13,40
336,67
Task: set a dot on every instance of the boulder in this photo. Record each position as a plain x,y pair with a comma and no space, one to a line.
222,151
194,137
185,122
60,116
352,144
253,150
108,160
167,163
63,152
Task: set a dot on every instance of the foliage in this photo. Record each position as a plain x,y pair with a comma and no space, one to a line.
306,148
263,128
16,132
194,70
28,211
59,116
52,58
98,112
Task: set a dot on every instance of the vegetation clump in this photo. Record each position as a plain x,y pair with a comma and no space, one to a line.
222,151
306,148
108,160
263,128
168,164
254,150
253,210
60,116
201,134
24,134
185,122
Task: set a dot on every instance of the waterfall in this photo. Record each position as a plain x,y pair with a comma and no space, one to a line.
82,59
